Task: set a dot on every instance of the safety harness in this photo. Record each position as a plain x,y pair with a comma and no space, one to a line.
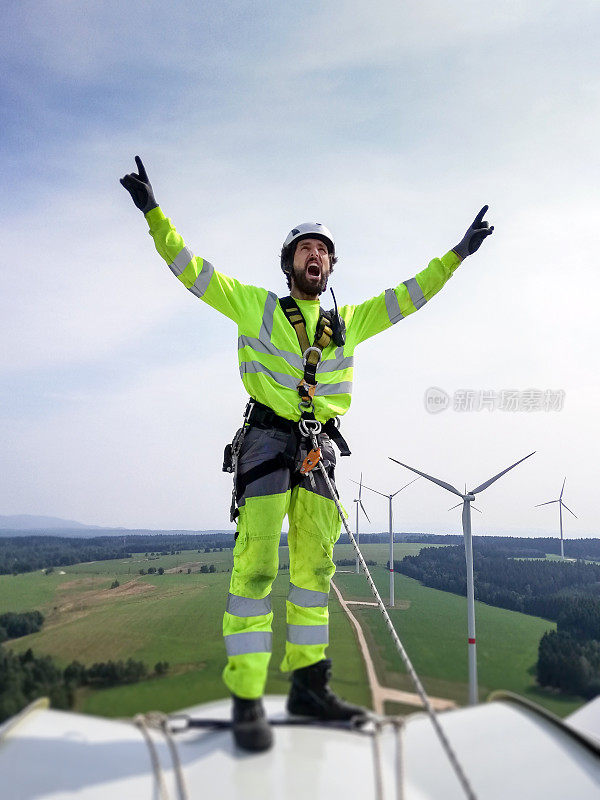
311,354
330,326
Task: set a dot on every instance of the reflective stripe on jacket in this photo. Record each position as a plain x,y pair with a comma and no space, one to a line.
269,355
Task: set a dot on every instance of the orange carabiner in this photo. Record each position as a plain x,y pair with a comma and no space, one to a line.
306,389
311,461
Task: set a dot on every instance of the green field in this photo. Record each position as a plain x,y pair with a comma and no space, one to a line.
176,617
432,625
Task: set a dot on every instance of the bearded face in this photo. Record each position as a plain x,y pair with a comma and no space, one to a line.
311,267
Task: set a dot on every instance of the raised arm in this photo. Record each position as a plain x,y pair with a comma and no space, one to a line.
225,294
392,305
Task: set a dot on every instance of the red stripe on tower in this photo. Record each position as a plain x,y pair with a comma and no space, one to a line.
471,641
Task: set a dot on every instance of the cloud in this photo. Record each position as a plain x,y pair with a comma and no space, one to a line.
393,129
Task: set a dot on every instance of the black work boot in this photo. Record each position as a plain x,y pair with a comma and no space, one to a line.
251,729
311,697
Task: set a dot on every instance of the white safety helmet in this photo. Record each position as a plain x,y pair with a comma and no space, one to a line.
307,230
310,230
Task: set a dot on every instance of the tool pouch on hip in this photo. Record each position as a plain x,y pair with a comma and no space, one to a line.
232,451
228,458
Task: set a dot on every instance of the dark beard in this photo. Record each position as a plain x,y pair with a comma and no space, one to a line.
308,287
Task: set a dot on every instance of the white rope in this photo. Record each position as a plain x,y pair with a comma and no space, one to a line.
174,758
140,722
159,721
460,774
397,723
378,767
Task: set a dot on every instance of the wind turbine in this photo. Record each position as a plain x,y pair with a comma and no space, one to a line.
560,508
468,498
390,497
359,502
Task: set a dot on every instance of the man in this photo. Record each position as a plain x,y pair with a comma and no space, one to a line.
296,362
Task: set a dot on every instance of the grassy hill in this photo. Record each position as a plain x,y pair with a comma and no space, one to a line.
176,617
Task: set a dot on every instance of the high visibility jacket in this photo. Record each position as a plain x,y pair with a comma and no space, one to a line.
269,354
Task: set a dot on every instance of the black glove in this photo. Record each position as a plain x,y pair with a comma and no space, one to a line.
140,188
474,236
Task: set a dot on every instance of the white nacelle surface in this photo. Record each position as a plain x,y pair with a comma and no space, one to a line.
506,750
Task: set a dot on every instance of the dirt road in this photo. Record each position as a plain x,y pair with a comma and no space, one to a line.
380,694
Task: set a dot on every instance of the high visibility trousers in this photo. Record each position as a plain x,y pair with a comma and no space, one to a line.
314,527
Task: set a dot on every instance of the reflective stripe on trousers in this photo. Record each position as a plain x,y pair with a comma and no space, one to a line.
249,641
238,644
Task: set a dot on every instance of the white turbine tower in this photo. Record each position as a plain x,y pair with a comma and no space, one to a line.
390,497
560,508
468,498
359,502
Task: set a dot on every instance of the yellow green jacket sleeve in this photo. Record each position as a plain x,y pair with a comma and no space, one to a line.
392,305
229,296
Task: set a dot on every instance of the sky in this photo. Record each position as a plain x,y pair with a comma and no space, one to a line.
119,389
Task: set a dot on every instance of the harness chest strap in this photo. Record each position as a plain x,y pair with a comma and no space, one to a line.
311,357
311,353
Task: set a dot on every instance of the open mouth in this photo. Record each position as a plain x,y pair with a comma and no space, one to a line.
313,271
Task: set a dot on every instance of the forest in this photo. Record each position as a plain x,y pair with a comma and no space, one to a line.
21,553
569,657
25,677
13,625
519,583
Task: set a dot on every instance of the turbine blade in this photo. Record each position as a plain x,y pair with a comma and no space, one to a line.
360,486
404,487
476,509
373,490
364,512
547,503
499,475
443,484
563,488
569,510
453,507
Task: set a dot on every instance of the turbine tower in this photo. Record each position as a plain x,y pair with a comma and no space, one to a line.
359,502
390,497
468,498
560,508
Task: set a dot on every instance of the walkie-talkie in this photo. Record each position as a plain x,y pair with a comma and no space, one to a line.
338,326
